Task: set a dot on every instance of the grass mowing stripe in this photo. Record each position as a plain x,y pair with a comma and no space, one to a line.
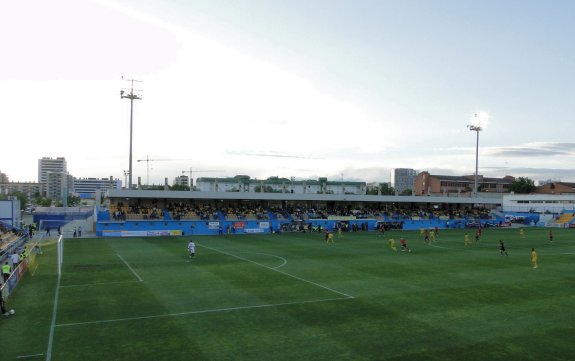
557,254
284,273
203,311
131,269
97,284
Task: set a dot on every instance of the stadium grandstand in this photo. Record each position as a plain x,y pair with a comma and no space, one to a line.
140,213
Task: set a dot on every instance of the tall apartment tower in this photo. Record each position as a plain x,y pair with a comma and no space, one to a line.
52,174
402,179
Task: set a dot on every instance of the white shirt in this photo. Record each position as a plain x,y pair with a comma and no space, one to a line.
192,247
15,258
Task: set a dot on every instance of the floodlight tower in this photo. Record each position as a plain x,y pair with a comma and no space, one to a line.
477,129
479,122
129,94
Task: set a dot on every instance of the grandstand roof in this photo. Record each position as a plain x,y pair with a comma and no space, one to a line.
160,194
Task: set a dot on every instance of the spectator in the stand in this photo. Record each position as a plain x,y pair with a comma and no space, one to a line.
23,254
15,258
6,271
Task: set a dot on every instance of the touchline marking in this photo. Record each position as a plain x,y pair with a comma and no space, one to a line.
97,284
35,268
201,311
131,269
53,321
284,273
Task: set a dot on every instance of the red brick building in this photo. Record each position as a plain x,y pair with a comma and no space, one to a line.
447,185
556,188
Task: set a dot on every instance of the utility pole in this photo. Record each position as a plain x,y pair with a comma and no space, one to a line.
129,94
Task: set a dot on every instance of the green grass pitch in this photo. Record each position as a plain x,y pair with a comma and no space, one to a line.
294,297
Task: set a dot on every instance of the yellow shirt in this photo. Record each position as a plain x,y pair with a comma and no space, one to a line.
533,256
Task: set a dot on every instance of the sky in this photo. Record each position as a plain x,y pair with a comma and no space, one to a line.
324,88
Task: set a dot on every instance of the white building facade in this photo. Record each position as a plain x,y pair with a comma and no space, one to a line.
88,187
52,176
538,203
242,183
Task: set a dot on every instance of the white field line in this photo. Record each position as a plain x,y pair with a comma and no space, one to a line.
35,268
270,255
284,273
29,356
53,322
131,269
201,311
97,284
453,249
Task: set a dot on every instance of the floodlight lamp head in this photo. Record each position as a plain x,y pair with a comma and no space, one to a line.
480,120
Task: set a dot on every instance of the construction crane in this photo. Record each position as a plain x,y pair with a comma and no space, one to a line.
148,160
191,172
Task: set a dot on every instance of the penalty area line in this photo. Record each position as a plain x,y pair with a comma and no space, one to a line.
282,272
131,269
227,309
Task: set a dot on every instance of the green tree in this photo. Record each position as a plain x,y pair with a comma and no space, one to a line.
406,192
387,190
371,191
522,185
179,187
44,202
22,197
73,201
266,189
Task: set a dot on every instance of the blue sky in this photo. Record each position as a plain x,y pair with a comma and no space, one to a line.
289,88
